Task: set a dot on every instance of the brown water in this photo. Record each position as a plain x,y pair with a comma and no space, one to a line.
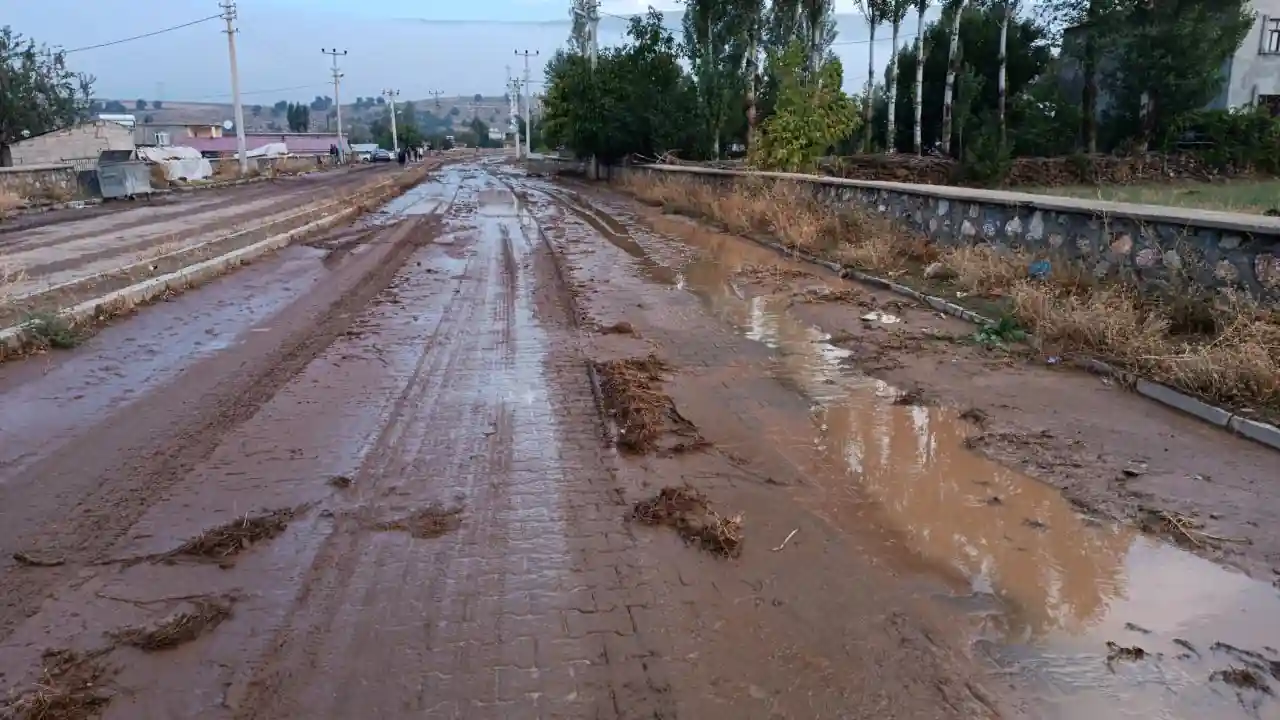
1047,587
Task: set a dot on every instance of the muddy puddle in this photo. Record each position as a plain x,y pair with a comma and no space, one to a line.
1090,618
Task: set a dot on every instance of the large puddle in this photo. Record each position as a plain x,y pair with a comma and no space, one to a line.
1045,588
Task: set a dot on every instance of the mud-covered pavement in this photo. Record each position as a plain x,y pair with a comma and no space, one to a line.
393,472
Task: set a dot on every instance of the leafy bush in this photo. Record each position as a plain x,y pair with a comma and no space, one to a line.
1245,139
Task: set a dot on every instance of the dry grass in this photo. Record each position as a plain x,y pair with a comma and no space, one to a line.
430,522
11,276
226,541
71,687
10,201
293,166
688,511
178,629
643,413
1224,348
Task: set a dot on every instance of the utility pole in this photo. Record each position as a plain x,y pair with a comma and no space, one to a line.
337,96
513,97
229,14
395,139
436,94
528,129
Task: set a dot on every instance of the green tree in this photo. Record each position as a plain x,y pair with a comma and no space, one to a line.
478,97
298,117
157,104
811,113
715,51
115,106
280,108
955,11
140,104
38,93
875,11
1167,60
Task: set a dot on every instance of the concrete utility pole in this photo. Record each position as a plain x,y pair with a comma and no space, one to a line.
395,139
337,96
229,14
513,97
528,129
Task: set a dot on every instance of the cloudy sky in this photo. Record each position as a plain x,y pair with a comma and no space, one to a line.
417,46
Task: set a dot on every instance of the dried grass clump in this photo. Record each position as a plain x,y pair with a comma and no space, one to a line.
176,630
72,687
10,201
688,511
235,537
642,411
430,522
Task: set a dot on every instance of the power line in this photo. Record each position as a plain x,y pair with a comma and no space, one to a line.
144,35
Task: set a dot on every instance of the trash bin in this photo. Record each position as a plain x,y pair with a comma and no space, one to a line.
122,175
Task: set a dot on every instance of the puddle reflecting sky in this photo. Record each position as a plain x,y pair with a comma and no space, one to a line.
1048,588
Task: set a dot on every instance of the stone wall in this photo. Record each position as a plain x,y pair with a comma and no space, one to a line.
43,184
1157,246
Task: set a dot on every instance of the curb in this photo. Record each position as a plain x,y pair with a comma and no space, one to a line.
11,338
1260,432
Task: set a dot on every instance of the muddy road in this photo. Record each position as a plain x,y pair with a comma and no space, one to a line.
506,450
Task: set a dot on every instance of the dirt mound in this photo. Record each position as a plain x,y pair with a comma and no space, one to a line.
430,522
688,511
235,537
644,414
178,629
71,687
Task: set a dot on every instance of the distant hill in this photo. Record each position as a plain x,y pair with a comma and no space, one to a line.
444,114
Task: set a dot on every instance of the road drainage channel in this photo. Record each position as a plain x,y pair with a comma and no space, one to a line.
1093,619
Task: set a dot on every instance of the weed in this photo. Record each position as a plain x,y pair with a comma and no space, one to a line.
50,330
999,334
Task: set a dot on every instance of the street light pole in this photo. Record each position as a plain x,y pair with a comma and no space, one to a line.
528,129
337,96
229,14
395,138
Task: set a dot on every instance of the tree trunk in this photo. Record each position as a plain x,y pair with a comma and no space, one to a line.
752,71
1001,79
953,66
890,143
866,101
1089,98
919,98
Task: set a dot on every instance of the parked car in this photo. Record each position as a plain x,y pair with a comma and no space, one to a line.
380,155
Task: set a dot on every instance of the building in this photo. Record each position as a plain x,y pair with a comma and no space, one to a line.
1252,74
297,143
79,145
163,134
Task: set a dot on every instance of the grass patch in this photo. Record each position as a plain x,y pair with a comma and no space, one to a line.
1242,196
1224,348
50,330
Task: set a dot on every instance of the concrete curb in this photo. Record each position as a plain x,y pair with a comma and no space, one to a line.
13,338
1259,432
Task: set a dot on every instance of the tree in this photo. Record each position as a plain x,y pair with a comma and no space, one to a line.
874,11
956,9
896,11
921,6
454,111
811,113
713,45
298,117
1167,60
477,97
148,119
157,104
38,93
381,100
1007,8
280,108
140,104
256,110
115,106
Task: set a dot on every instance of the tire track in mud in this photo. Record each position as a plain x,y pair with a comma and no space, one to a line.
141,460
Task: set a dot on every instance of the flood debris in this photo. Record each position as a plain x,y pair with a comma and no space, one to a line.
1134,627
785,540
71,687
1117,653
35,560
688,511
430,522
1251,658
226,541
619,328
178,629
910,396
1241,678
341,481
977,416
644,414
1184,530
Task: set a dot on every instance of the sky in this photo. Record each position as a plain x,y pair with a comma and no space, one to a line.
415,46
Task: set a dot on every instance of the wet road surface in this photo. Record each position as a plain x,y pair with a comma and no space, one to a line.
410,397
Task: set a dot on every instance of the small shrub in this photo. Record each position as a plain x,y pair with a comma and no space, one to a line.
51,331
